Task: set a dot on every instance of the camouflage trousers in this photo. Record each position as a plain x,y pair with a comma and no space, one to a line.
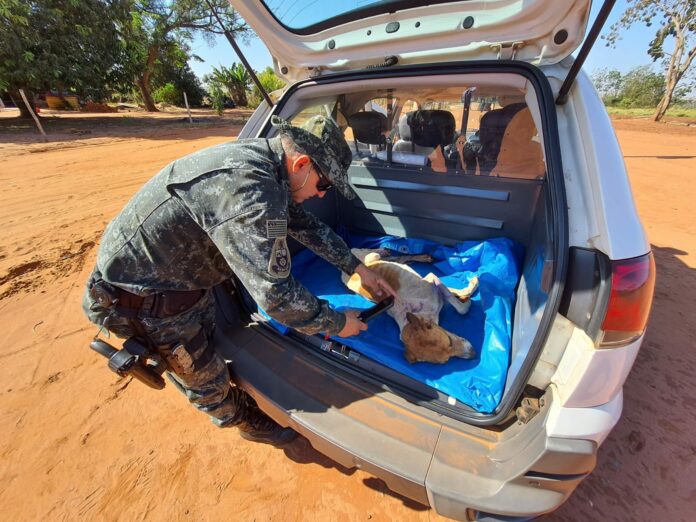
208,388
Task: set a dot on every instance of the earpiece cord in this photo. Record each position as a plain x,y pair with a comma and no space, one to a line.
303,183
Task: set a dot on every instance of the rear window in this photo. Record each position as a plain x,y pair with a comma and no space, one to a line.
467,130
301,15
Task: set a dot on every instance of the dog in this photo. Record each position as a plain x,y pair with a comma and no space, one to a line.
417,306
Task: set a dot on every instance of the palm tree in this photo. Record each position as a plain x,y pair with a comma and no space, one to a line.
235,80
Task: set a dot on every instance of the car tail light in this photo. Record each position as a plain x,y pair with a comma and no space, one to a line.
632,285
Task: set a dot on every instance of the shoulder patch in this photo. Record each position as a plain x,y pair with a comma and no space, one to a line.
279,264
276,228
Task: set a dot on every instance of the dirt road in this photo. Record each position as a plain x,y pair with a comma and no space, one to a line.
77,442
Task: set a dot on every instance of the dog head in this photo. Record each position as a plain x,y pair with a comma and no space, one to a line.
428,342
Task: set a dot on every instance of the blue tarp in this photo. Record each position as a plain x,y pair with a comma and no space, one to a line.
478,382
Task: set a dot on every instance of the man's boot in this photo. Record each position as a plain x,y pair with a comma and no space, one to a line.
256,426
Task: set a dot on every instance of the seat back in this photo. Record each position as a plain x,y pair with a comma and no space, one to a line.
368,127
430,128
491,133
520,154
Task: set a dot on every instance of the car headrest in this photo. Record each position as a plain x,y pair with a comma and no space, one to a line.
430,128
492,128
368,127
404,129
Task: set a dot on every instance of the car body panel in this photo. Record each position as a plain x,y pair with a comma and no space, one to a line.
602,214
583,423
447,464
588,376
535,31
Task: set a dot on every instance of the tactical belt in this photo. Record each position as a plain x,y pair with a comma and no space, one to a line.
158,305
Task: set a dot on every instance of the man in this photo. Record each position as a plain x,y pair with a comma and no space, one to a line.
225,211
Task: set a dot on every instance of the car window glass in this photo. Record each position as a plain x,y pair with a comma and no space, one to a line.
468,130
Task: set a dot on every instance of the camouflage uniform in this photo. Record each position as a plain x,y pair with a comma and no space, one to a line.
223,210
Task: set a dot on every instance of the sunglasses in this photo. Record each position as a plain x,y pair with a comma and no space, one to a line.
324,183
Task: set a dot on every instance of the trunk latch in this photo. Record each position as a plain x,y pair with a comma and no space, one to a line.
340,350
507,50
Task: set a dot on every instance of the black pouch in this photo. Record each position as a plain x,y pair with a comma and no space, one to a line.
102,293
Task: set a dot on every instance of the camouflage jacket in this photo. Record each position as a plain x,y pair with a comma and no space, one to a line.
223,210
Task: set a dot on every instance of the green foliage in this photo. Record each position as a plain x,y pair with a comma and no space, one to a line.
217,98
270,83
674,112
234,81
675,28
169,94
59,45
640,87
173,68
157,31
608,83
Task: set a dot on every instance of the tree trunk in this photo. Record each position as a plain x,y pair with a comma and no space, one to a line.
17,99
144,86
671,77
239,96
664,104
144,80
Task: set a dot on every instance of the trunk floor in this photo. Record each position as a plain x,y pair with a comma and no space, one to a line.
479,382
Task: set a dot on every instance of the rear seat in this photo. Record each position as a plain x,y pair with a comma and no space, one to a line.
520,153
369,127
427,132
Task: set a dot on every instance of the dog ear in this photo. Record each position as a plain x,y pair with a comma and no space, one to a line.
412,319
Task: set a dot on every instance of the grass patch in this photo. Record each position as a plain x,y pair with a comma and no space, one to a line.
674,112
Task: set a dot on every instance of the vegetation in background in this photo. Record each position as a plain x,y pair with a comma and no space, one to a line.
233,80
97,47
217,98
61,45
157,29
168,94
674,112
236,83
173,68
270,83
675,22
640,87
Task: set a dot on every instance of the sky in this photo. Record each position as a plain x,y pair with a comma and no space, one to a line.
629,52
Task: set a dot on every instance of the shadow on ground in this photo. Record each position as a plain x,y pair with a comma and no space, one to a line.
74,126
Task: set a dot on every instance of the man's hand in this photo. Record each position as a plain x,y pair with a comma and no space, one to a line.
353,325
374,283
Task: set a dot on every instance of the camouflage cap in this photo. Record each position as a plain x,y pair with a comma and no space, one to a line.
322,140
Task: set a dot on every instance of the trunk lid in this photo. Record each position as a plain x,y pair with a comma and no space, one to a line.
307,38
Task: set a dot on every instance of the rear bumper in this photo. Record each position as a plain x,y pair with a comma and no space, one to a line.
451,466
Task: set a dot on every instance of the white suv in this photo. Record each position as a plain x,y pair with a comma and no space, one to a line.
462,147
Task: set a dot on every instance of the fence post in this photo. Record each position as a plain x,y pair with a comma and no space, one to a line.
187,107
31,111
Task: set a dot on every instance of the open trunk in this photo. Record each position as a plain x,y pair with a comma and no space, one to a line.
447,154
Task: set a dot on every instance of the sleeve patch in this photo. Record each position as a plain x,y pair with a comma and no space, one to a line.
279,264
276,228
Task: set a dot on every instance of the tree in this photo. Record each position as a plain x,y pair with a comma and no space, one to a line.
234,80
158,26
172,68
270,83
58,45
641,87
608,83
676,23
